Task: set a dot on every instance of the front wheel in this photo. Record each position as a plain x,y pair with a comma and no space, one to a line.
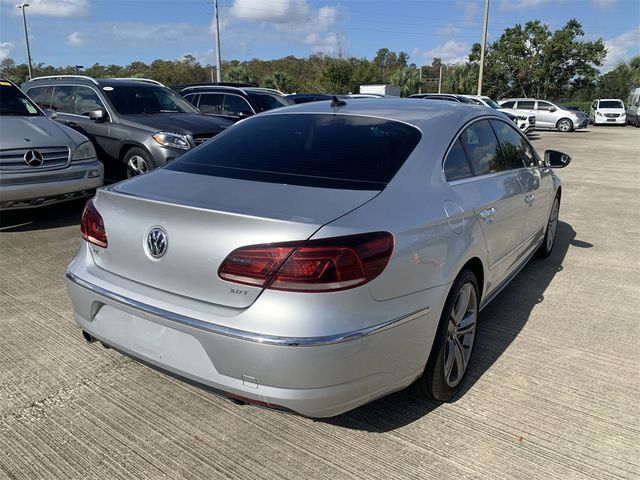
453,344
138,162
552,227
565,125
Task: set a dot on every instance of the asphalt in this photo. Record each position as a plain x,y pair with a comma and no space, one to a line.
552,392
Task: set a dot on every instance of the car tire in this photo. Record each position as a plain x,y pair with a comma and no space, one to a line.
637,124
564,125
546,247
453,344
137,162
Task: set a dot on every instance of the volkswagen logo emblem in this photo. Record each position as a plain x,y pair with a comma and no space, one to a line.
157,242
33,158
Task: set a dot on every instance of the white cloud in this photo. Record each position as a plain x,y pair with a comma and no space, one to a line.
622,47
54,8
282,11
5,49
75,39
448,31
603,3
449,52
521,4
470,11
157,32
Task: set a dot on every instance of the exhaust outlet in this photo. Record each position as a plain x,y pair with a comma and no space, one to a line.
88,337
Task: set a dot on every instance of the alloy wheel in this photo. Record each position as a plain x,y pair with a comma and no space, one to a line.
136,166
461,333
553,224
565,125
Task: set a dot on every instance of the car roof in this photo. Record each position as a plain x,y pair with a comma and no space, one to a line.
408,110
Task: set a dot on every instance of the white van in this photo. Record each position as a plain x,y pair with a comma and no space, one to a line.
607,111
633,107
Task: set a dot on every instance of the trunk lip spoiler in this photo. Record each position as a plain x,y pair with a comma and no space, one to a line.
243,334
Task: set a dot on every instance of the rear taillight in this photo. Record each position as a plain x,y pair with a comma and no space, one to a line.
322,265
92,226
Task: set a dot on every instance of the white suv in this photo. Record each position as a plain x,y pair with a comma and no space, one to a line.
607,111
548,115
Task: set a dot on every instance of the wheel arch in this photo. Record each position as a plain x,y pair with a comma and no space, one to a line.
477,268
128,145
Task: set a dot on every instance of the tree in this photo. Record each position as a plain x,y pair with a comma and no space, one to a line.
618,82
407,78
239,74
462,78
533,61
279,81
336,76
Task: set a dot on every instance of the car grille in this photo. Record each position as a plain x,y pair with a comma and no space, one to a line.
54,157
612,115
532,120
55,177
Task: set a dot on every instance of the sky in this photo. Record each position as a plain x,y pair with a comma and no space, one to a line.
84,32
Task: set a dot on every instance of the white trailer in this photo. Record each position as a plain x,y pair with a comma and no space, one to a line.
386,90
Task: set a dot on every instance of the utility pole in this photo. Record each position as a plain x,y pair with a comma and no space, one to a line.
484,42
440,80
420,83
23,6
218,60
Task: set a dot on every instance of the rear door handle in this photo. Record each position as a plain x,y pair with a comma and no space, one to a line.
487,215
529,199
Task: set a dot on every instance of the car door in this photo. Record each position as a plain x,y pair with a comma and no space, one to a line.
546,114
495,194
592,111
100,132
528,107
536,183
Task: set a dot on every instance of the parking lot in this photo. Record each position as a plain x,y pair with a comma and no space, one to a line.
552,391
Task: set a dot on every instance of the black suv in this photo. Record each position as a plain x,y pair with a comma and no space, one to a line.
136,125
234,103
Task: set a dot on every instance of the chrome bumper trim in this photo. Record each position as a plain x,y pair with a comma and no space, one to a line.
243,334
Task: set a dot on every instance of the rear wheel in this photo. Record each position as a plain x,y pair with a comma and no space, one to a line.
137,162
637,124
564,125
453,345
552,226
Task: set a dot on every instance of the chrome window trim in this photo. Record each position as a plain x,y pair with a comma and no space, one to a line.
243,334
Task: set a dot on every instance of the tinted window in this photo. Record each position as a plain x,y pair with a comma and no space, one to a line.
526,105
516,151
62,100
456,165
481,146
41,96
146,99
14,102
192,98
546,106
331,151
508,104
211,103
233,105
86,101
611,104
268,101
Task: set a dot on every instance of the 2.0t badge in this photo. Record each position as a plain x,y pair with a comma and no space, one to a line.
157,242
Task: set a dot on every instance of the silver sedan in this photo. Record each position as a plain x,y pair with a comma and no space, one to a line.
320,256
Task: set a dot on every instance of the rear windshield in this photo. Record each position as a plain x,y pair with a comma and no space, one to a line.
14,102
315,150
144,99
611,104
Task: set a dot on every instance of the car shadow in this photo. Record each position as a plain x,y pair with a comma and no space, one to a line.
500,323
42,218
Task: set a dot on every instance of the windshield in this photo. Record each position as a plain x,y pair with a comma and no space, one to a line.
328,151
14,102
611,104
491,103
146,99
268,101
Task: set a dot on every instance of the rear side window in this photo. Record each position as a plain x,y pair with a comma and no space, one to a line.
545,106
316,150
526,105
233,105
211,103
483,151
508,104
516,150
456,165
41,96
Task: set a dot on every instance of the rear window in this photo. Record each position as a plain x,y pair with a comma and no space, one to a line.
267,101
611,104
315,150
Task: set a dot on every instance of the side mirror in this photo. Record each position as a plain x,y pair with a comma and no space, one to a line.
553,109
98,115
244,114
555,159
52,114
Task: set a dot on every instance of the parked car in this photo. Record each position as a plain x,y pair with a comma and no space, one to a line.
308,97
310,268
608,111
633,107
136,125
235,103
41,161
548,115
526,123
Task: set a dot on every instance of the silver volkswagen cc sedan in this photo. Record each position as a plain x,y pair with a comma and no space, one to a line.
319,256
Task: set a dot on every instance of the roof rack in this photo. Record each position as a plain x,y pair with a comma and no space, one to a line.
147,80
84,77
267,89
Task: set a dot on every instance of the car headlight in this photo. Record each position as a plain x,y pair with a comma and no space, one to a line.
175,140
85,151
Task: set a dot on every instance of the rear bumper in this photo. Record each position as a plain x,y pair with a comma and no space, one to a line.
314,376
33,189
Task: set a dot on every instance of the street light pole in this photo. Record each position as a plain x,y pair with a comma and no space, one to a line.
484,42
218,60
23,6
